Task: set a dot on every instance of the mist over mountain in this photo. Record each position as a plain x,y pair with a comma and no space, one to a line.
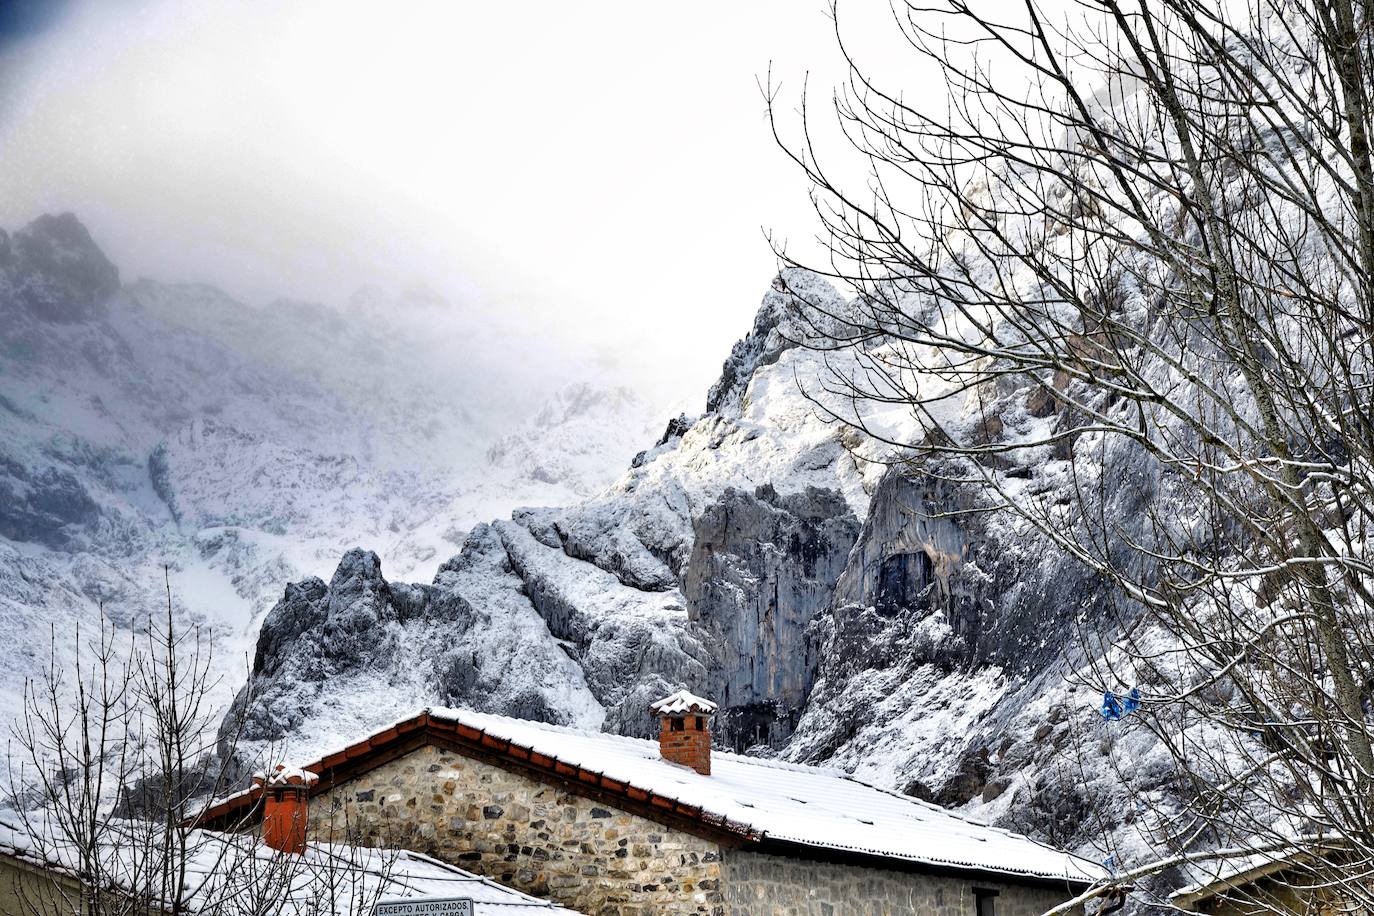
145,424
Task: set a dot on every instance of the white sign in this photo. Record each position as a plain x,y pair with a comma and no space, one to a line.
421,906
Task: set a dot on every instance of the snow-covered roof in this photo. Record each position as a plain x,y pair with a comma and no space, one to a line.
683,703
783,807
810,806
224,868
1233,871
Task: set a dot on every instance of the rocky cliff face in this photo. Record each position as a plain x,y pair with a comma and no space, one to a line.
703,566
330,652
763,566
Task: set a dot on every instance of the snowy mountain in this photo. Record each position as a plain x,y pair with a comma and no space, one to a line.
757,553
147,425
774,561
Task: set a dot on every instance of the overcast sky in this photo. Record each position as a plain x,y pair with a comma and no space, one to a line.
603,168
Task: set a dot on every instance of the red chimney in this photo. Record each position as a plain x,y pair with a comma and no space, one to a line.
285,805
685,730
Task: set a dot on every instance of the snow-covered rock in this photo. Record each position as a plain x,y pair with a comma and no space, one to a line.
701,567
763,566
336,657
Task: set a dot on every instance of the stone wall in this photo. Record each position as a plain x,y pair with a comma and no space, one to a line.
526,834
763,885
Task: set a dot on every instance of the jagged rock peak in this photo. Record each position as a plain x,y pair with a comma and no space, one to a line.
356,566
677,427
56,271
777,329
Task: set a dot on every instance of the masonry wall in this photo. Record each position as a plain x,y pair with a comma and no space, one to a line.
526,834
763,885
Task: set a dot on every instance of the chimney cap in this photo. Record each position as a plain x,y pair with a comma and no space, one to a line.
683,703
285,776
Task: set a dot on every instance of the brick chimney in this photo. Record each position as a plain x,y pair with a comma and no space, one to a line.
685,730
285,806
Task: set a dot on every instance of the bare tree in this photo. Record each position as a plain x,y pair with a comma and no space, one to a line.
74,757
119,746
1132,246
329,879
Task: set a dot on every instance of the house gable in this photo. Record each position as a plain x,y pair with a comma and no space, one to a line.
406,738
554,841
557,842
610,824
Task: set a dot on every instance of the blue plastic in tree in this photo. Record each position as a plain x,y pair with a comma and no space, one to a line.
1116,706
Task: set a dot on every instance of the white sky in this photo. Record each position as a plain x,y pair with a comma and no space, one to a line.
603,169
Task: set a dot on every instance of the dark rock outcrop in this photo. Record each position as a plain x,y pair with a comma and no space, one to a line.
319,632
56,270
48,506
910,551
762,566
160,477
677,427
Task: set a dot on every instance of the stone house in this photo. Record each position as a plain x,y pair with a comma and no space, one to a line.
613,825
